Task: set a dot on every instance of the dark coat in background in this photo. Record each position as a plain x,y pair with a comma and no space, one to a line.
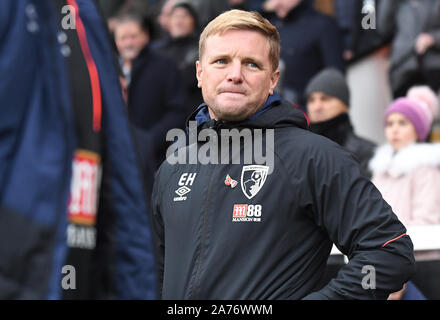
405,20
156,98
361,41
310,42
185,51
340,130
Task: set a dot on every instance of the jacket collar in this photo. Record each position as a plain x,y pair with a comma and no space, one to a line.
336,129
201,114
275,113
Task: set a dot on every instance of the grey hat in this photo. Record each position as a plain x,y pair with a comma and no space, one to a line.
331,82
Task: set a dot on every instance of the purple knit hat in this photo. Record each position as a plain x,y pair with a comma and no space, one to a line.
414,112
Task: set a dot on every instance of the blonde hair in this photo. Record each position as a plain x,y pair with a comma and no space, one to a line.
243,20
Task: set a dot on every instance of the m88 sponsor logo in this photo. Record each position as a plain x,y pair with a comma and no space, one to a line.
247,213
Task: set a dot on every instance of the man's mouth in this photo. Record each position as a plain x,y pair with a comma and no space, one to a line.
232,92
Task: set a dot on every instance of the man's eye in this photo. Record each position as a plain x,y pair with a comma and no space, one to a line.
220,61
252,65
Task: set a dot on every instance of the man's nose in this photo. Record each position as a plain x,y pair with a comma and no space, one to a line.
315,105
235,73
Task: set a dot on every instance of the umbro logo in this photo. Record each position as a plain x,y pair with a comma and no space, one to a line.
182,191
186,179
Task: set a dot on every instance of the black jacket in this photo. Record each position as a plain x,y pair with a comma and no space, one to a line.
156,98
214,247
185,52
340,130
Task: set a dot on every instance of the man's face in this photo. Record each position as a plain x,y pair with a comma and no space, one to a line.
181,23
322,107
165,13
130,39
399,131
235,74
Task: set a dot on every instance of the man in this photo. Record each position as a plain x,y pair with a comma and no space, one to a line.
311,41
182,45
328,101
254,231
164,16
156,94
73,212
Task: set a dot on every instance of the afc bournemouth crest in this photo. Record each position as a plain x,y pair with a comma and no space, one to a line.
253,178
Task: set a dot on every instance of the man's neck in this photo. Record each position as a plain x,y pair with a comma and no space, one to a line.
126,66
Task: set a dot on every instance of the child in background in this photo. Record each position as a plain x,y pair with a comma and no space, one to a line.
406,170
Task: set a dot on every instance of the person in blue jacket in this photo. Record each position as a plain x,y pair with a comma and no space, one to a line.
73,211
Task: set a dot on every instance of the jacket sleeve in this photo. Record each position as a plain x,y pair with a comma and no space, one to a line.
27,238
435,33
362,226
386,22
426,197
133,254
331,45
432,25
158,230
7,9
174,98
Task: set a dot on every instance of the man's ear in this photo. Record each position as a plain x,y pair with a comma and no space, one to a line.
199,73
274,80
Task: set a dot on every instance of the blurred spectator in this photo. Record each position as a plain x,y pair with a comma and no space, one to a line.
70,192
110,8
254,5
164,16
407,180
156,94
415,55
183,46
310,41
407,171
132,34
344,15
357,22
209,9
328,102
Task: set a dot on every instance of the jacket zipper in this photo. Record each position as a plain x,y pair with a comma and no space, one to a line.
204,227
91,66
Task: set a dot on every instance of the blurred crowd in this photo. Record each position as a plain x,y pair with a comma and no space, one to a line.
315,35
320,40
